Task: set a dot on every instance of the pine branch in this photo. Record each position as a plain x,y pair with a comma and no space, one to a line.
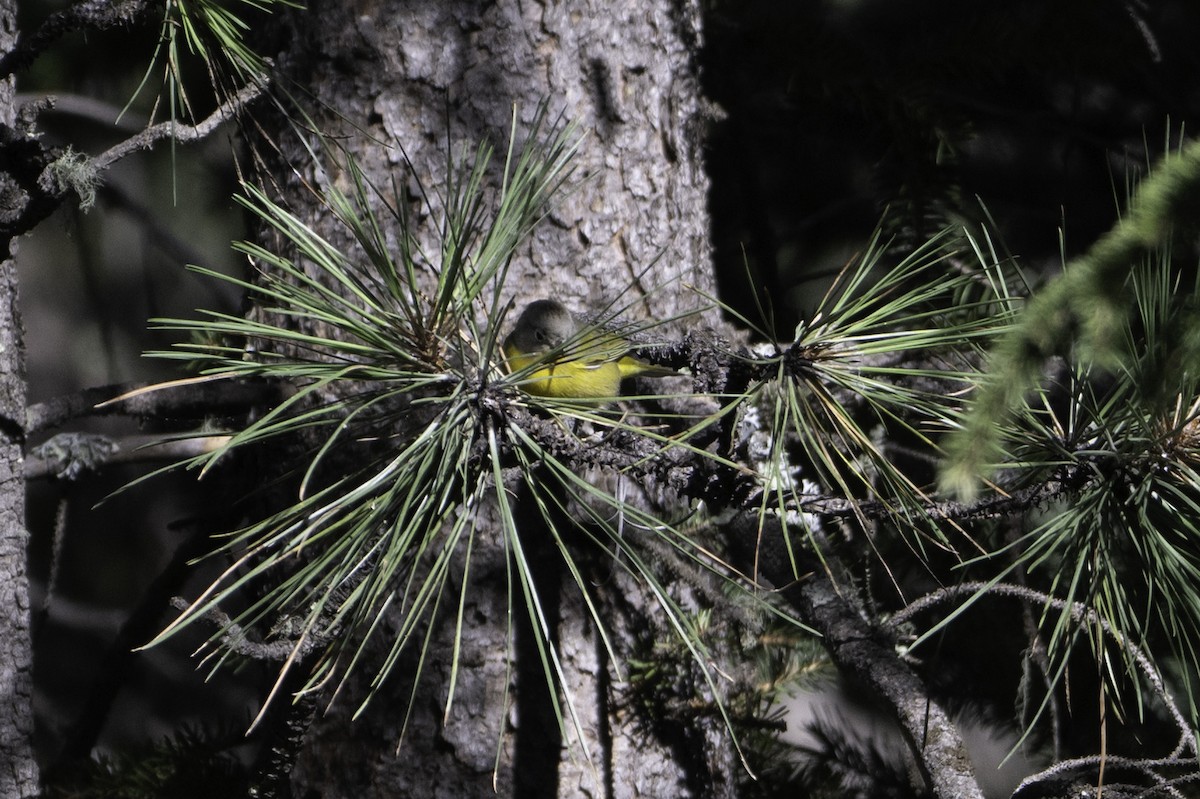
1084,308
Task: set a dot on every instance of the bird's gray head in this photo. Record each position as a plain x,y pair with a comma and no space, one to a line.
542,326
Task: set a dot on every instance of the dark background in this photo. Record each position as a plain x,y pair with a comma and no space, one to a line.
841,111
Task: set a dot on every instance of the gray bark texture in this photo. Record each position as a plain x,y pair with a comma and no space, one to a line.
386,74
18,769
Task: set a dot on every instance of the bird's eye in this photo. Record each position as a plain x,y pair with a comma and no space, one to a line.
540,335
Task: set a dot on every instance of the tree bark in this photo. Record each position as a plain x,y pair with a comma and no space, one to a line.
18,769
410,74
386,75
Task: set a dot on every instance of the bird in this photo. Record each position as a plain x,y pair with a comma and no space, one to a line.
567,361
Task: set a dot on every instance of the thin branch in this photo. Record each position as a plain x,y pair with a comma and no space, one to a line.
193,401
45,176
1149,768
235,639
1079,613
172,129
84,454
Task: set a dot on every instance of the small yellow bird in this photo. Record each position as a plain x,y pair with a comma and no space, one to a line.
578,364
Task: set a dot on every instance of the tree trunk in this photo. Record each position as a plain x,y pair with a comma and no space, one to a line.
18,770
390,74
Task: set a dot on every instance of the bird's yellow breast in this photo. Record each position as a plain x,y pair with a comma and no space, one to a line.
576,378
